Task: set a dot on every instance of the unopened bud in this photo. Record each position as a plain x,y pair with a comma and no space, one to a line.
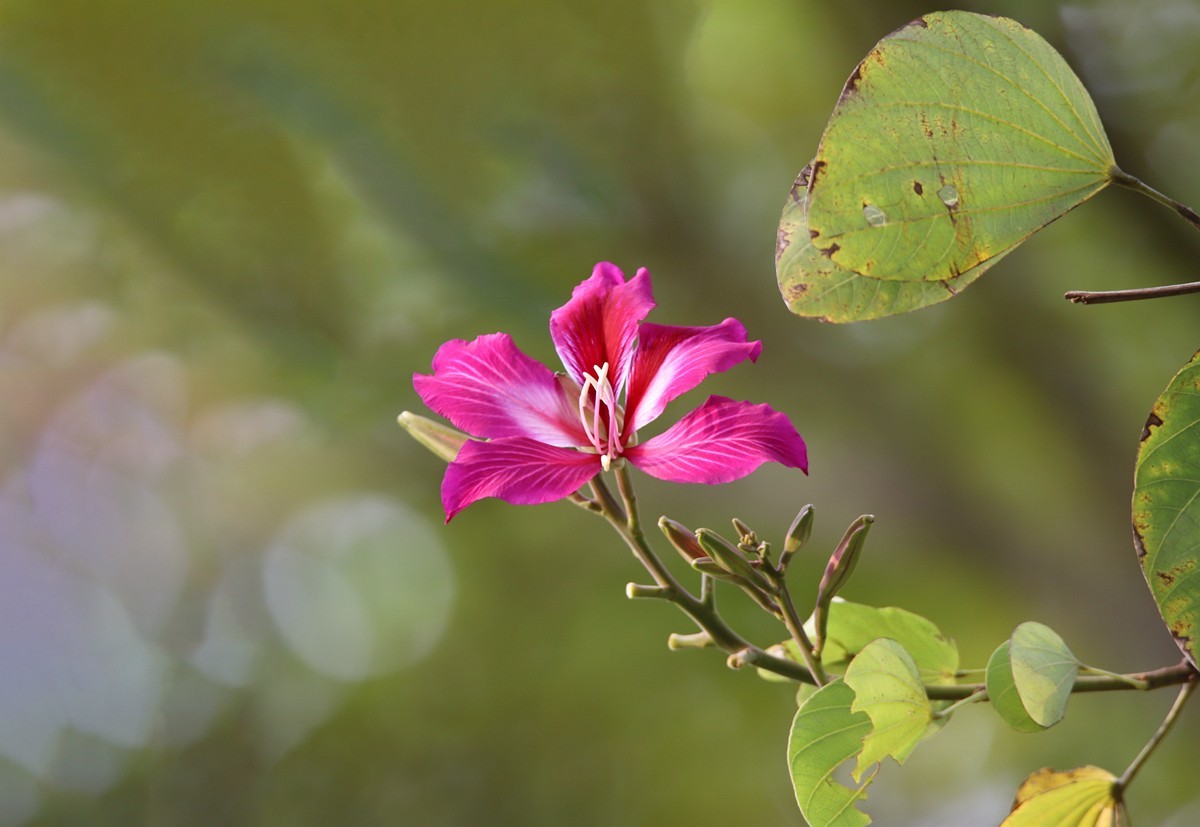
442,440
844,558
838,570
732,559
798,531
682,538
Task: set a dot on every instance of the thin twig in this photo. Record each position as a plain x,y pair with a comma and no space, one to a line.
1124,179
1123,782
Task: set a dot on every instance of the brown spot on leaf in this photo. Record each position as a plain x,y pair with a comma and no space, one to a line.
917,188
851,86
815,170
782,239
796,291
829,251
1139,544
1152,422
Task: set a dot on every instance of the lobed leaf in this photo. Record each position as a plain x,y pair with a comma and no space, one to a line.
887,686
826,733
1166,505
1082,797
956,138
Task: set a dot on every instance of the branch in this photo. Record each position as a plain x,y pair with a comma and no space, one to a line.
1124,179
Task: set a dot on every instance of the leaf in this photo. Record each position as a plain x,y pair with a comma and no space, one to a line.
826,733
814,287
1166,505
956,138
1002,692
887,686
1082,797
852,626
1043,671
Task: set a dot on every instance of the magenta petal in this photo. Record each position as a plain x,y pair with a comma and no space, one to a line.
520,471
670,361
721,441
600,322
490,389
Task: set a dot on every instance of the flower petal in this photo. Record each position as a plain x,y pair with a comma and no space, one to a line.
518,470
491,389
600,322
670,361
721,441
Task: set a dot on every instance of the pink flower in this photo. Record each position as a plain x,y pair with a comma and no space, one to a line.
543,435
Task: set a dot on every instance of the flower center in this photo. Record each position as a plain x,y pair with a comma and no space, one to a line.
600,416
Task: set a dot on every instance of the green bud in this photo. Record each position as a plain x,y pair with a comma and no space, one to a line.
798,531
732,559
682,538
442,440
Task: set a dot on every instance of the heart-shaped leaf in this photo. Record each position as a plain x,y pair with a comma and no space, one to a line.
1166,505
956,138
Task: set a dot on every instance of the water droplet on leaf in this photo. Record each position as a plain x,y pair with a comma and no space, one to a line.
875,216
949,195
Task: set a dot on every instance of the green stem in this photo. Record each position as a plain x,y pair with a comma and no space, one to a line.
627,522
1124,179
973,698
1127,777
796,627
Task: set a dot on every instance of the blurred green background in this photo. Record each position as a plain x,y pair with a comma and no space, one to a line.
231,231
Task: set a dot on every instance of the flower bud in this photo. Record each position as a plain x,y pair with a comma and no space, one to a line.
682,538
838,570
442,440
798,531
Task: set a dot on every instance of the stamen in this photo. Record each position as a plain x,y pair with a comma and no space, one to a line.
599,385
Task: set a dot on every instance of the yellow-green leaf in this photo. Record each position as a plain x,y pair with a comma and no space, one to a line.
887,686
1082,797
955,139
814,287
1043,671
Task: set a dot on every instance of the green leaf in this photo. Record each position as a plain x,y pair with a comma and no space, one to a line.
814,287
852,626
887,686
1166,505
1043,671
826,733
1082,797
956,138
1002,692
